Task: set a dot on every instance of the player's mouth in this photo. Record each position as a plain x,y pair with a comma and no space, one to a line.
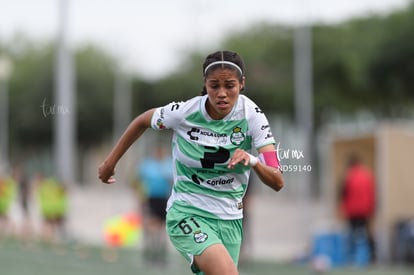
222,104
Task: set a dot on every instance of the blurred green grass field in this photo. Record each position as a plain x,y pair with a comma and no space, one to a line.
39,259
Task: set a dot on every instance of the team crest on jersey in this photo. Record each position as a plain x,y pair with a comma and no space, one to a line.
200,237
237,137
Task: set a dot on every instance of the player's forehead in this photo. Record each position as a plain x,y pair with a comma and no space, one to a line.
222,75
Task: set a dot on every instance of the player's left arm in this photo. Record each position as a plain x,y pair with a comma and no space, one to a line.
266,166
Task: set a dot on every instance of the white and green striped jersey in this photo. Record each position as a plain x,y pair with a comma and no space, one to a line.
201,151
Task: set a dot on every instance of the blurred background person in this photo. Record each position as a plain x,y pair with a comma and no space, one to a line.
53,202
24,199
154,174
357,203
7,196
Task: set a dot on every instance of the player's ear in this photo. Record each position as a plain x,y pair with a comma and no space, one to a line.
242,83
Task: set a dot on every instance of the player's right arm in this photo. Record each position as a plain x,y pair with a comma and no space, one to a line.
135,129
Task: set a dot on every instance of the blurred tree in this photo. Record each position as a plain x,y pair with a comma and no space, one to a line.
32,107
185,83
31,90
268,53
366,64
341,53
391,70
95,74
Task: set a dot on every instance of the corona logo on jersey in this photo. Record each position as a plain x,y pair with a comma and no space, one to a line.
219,181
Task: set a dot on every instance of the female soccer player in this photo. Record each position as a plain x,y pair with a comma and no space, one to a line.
213,137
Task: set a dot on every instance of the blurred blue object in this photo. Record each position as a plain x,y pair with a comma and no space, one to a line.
404,241
359,253
342,248
332,245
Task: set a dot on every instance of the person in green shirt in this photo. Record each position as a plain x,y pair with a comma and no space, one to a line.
53,203
7,195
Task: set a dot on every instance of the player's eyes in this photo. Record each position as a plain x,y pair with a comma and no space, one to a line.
217,86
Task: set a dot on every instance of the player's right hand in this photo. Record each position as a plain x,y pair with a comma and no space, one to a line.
106,173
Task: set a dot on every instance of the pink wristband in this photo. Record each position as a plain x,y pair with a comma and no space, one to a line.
270,159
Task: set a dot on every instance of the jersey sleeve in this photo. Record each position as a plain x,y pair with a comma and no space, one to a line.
168,116
260,129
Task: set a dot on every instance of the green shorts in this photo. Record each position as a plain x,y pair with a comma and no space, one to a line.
192,234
